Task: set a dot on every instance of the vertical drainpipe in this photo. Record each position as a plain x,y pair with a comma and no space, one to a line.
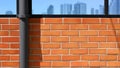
23,13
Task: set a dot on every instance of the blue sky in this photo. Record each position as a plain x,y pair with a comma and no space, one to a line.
40,6
7,5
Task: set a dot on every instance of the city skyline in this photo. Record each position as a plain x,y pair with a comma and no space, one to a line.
11,6
77,8
42,5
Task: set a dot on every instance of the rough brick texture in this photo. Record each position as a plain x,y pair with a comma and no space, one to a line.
63,42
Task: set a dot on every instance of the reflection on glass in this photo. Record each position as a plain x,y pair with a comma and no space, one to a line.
7,7
71,7
114,7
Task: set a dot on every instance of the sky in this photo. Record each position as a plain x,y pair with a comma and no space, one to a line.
7,5
40,6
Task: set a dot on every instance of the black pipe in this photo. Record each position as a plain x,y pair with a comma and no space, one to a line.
24,43
23,9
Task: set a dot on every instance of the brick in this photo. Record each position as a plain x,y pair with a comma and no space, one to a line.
9,51
14,57
88,33
14,45
107,33
79,51
3,33
40,39
101,64
97,26
70,58
70,33
10,27
36,20
72,20
78,64
50,33
113,63
33,45
60,64
51,58
4,58
35,58
53,20
10,39
38,27
118,58
59,39
78,27
34,27
78,39
44,64
97,39
112,39
108,58
70,45
51,46
59,51
38,51
59,26
107,45
14,33
44,52
44,26
89,57
113,51
4,45
117,32
113,26
90,20
4,21
89,45
109,20
10,64
97,51
14,21
34,33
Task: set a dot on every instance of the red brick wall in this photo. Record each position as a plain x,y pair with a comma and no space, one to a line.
63,42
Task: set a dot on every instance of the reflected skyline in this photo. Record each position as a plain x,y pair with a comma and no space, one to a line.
114,4
41,6
78,8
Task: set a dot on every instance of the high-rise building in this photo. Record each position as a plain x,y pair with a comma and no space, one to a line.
50,9
114,4
96,11
101,9
66,9
9,12
92,11
80,8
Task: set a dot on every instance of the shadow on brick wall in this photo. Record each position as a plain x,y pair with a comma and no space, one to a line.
116,29
35,54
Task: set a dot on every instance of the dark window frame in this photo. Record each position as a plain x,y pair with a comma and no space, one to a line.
106,13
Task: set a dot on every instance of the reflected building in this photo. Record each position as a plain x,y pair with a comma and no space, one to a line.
92,11
96,11
114,4
101,9
66,8
9,13
50,9
80,8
